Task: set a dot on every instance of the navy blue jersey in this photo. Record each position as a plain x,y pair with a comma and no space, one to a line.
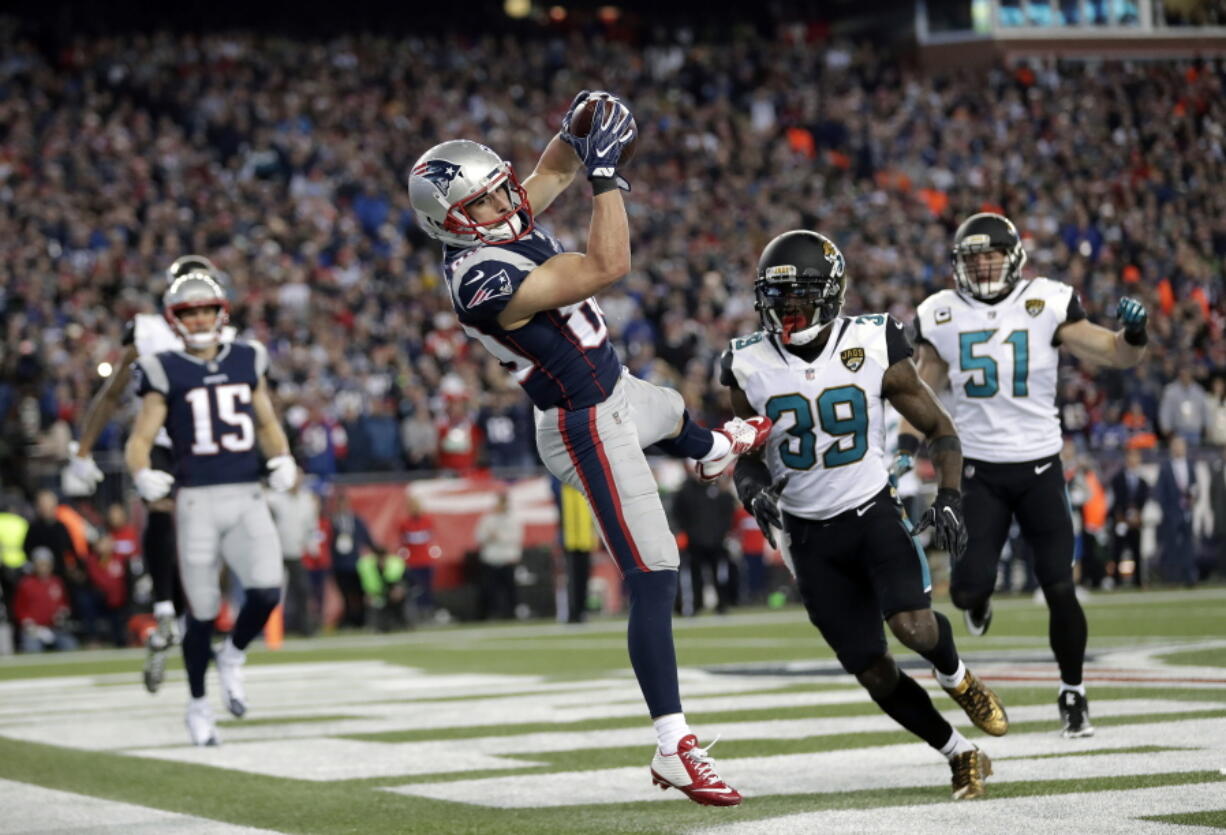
561,357
210,416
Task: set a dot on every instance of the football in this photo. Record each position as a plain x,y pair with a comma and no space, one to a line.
581,124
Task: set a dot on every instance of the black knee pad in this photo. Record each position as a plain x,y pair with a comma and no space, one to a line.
1061,593
879,677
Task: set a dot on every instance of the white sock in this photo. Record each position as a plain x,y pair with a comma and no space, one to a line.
163,609
670,728
197,703
958,744
721,445
951,680
1080,689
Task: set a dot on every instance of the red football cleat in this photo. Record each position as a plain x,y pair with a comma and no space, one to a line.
691,770
746,436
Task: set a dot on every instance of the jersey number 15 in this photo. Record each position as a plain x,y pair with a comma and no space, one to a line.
205,440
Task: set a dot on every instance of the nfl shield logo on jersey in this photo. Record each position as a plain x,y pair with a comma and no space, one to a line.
1034,306
810,374
853,358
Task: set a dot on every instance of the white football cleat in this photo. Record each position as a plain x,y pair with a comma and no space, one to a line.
692,771
230,662
200,725
746,436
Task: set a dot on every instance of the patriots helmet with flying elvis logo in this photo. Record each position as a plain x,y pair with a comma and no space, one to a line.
802,278
980,277
449,178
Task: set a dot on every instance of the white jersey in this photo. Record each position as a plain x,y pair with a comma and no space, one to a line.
152,334
1002,362
829,417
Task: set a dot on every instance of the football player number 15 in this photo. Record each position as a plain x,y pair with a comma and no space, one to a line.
841,411
205,440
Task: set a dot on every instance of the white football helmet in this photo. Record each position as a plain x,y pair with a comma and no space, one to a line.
449,176
192,290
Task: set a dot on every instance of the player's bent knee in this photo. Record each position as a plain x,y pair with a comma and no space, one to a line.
879,676
1062,592
264,599
916,630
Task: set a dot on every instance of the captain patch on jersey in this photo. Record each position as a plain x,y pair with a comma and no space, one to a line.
828,414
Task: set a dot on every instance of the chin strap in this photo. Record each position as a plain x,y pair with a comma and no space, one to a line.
805,336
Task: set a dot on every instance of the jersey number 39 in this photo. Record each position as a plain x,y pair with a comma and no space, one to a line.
842,411
205,437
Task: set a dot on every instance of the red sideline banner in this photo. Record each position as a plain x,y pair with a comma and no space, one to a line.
456,504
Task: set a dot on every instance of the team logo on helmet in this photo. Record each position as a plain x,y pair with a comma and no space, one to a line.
853,358
834,257
440,172
1034,306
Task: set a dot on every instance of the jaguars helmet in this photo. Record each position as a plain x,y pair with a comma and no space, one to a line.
448,177
192,290
800,285
185,264
987,232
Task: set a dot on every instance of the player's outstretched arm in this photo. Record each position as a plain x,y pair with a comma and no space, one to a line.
105,402
571,277
1116,349
554,172
911,395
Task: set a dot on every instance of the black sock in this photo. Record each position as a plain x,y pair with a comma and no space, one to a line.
649,637
908,705
693,441
944,656
197,653
1067,630
160,552
257,606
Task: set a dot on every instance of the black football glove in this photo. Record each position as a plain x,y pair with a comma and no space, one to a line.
948,526
765,508
612,129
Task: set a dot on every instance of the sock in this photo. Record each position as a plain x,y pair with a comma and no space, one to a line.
649,637
197,701
158,544
254,614
1079,689
954,679
196,653
944,656
163,609
958,744
1066,630
721,445
670,728
909,706
693,441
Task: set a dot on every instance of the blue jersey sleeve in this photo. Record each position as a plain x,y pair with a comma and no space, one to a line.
483,289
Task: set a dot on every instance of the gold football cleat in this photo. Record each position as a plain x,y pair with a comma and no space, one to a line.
970,769
982,706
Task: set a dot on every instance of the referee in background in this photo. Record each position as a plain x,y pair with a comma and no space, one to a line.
578,533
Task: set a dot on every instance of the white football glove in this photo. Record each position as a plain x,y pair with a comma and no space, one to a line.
282,473
153,484
81,476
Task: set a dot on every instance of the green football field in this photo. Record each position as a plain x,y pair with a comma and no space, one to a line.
540,728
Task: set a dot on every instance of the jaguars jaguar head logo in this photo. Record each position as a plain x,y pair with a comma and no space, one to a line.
853,358
1034,306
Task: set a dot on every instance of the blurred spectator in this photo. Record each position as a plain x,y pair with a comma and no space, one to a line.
419,435
1176,495
108,577
317,560
296,514
351,540
1215,410
500,537
41,606
577,533
1184,407
1217,507
123,533
419,552
753,556
13,528
507,427
459,437
1129,493
703,513
47,531
383,582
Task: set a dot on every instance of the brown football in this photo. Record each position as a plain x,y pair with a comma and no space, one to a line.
581,124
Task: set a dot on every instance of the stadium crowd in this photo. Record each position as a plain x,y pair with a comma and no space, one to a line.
284,161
